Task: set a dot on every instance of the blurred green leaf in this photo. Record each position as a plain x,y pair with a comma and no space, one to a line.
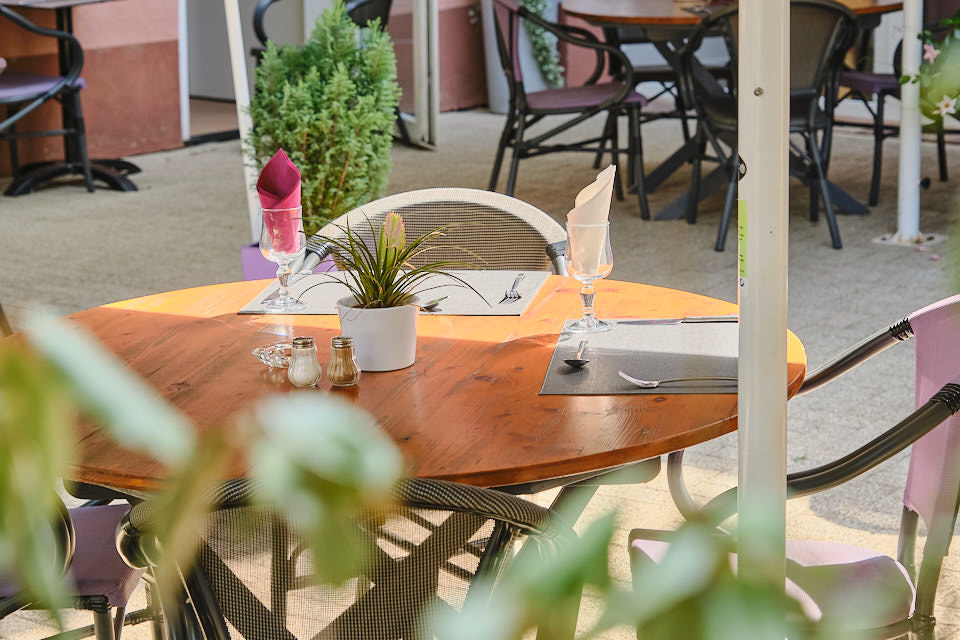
135,415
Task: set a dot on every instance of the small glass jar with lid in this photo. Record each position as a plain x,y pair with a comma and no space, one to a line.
343,370
304,369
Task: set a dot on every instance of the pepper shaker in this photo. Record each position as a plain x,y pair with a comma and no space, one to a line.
304,369
343,370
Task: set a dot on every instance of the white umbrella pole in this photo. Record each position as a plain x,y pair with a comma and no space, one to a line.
241,91
908,194
763,91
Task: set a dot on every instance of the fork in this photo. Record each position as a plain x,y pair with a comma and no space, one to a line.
511,294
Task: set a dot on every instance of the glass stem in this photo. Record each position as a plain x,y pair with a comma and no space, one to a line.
283,275
587,294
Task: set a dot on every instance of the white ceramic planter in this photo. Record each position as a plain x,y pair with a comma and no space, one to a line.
384,339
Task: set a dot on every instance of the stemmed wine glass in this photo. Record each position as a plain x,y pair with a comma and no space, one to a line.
282,240
589,257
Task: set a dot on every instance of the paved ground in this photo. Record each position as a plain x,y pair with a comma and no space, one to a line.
70,250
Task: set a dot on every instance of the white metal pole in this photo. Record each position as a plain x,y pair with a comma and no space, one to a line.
184,69
908,194
763,90
241,91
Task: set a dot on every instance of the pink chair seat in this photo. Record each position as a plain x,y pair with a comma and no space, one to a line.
821,576
578,98
97,569
16,85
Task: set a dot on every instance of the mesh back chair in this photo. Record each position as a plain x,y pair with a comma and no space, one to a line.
864,84
576,103
500,232
820,32
22,93
932,484
252,578
100,581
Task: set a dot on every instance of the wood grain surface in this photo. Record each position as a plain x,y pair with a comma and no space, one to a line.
468,410
672,12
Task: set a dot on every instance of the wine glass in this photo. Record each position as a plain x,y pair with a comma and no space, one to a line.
282,240
589,257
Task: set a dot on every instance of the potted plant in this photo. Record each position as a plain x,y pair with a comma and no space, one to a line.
381,311
330,104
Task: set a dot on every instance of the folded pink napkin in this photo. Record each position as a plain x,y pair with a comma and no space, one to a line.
279,188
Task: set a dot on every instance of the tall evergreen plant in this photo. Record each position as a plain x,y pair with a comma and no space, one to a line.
330,104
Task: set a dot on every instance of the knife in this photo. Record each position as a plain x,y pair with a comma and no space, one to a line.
727,318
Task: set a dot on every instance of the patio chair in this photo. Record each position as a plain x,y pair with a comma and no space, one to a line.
254,577
867,85
22,93
497,231
821,31
932,485
575,104
99,579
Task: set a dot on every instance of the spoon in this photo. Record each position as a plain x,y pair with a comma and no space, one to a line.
653,384
430,306
578,361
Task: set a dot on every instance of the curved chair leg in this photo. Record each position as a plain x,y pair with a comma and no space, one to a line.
515,159
825,194
635,153
80,137
613,131
728,204
501,149
878,134
941,152
693,195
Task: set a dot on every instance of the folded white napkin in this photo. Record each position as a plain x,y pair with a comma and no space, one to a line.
587,222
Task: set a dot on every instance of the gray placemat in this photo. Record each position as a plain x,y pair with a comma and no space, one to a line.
648,352
320,293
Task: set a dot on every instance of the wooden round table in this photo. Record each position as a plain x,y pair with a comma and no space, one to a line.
468,410
672,12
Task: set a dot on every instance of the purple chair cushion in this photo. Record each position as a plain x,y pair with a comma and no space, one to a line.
869,83
16,85
572,99
821,577
97,569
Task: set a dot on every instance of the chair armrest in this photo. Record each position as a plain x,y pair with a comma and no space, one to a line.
857,354
583,38
941,406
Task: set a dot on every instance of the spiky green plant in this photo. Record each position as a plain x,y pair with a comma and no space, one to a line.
382,271
330,104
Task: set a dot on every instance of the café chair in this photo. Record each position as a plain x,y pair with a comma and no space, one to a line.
253,576
932,484
575,104
99,580
490,230
21,93
865,85
821,32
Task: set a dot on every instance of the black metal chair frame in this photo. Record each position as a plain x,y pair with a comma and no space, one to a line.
66,91
810,164
521,116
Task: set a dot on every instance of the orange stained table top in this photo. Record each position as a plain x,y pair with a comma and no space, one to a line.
674,12
468,410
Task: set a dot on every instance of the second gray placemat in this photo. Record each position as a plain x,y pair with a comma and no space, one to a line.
649,352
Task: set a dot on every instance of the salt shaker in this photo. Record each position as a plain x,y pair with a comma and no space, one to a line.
304,369
343,370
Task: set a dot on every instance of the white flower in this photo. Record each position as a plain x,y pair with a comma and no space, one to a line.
946,106
930,52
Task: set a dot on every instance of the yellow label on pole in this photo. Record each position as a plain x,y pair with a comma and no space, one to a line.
742,239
